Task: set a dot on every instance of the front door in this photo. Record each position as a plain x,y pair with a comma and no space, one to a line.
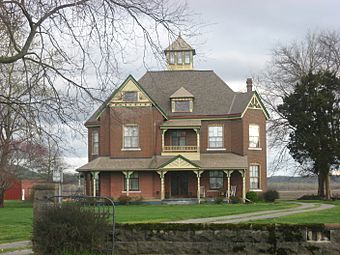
179,184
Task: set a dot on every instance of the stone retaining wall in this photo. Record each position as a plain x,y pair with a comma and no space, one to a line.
226,239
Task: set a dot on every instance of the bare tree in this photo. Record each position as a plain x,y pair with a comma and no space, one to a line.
56,56
289,63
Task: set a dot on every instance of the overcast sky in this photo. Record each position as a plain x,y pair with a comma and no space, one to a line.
236,42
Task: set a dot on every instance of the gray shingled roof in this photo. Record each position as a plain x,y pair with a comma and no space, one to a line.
179,45
212,94
207,161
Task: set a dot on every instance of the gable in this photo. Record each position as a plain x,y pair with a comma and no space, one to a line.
130,85
255,103
179,162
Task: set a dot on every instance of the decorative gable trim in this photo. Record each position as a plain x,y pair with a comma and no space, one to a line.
256,103
179,162
146,99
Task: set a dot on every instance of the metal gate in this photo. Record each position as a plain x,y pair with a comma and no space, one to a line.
102,207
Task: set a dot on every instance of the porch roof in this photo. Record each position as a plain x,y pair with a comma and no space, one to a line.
181,124
207,161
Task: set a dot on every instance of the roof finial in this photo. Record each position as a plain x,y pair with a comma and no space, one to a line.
180,34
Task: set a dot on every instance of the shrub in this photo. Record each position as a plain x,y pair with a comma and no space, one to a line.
252,196
138,199
124,199
218,200
310,197
69,229
270,195
235,200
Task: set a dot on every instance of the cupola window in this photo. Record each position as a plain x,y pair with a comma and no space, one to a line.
187,57
179,58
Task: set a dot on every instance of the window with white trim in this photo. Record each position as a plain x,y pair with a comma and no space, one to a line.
95,142
216,179
215,137
254,136
187,57
133,182
131,136
254,176
171,58
179,58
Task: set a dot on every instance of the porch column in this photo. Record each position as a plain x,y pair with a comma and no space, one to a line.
243,173
227,172
198,174
127,175
163,139
95,175
198,138
162,176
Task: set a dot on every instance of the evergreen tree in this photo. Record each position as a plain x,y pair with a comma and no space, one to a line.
313,111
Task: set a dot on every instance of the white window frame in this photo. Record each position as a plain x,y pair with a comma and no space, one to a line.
222,135
187,57
95,142
133,179
252,137
252,167
171,58
179,58
217,176
174,101
125,147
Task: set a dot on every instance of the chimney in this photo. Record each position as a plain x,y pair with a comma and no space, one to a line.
249,85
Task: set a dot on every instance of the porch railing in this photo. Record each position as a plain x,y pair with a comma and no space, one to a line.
180,148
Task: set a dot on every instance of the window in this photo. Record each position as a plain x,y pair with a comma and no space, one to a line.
254,136
187,57
179,58
254,171
216,179
171,58
133,182
95,142
178,138
182,106
131,139
130,96
215,137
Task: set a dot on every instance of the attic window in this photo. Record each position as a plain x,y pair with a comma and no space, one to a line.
182,105
130,96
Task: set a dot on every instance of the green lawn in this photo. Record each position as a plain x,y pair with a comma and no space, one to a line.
16,217
325,216
15,221
159,213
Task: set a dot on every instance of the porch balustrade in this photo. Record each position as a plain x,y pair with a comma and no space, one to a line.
180,148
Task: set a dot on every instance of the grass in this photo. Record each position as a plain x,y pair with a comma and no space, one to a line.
15,221
329,216
16,217
162,213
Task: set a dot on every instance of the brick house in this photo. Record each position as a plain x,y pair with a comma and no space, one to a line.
178,133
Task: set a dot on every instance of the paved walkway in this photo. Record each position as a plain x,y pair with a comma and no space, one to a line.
21,246
304,207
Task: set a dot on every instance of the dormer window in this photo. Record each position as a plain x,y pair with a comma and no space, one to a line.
130,96
182,105
182,101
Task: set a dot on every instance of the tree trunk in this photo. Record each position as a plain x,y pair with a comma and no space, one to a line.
328,187
2,198
321,185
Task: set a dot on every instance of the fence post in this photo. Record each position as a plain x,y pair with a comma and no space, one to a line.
41,192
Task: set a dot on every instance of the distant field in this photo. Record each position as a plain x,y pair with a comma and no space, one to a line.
295,187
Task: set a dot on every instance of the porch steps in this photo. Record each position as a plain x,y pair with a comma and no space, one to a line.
180,201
